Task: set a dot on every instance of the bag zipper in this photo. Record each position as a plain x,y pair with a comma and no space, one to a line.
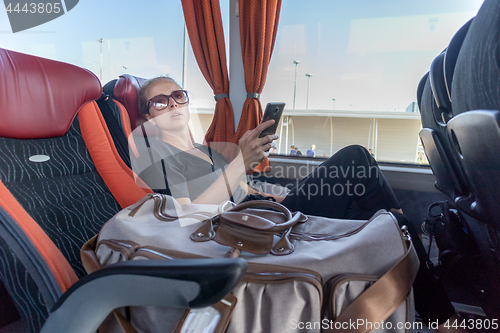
154,253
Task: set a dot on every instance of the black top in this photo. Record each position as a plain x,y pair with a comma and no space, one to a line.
169,170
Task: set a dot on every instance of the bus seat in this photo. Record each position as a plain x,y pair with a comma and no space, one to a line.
119,105
476,140
452,51
117,122
436,110
437,147
476,83
52,300
120,110
442,113
420,89
45,165
440,78
61,178
474,135
476,86
126,91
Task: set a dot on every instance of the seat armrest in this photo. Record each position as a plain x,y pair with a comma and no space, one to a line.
178,283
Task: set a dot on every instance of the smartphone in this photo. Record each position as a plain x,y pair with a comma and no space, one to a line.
273,111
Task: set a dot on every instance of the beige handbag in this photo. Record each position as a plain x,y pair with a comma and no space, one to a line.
305,273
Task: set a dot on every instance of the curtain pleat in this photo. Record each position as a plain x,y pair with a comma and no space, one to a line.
258,28
204,25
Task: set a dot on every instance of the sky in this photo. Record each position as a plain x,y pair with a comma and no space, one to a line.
365,54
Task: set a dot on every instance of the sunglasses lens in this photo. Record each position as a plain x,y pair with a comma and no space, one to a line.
180,96
159,102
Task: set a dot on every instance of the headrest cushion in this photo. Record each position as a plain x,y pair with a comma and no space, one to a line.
39,98
126,91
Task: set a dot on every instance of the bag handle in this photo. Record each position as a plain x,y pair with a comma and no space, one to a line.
259,223
262,203
251,231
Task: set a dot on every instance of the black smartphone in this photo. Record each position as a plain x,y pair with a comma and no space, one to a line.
273,111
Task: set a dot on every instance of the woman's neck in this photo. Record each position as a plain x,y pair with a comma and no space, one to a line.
181,139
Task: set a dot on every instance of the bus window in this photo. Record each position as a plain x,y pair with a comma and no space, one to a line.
348,72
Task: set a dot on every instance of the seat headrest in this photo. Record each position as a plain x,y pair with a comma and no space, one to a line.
475,81
126,92
39,98
450,59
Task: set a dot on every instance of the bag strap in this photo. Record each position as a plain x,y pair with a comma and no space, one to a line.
124,323
379,301
91,264
306,236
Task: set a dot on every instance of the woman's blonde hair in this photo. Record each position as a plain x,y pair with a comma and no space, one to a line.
143,99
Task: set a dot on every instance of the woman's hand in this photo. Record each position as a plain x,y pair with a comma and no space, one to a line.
249,190
255,149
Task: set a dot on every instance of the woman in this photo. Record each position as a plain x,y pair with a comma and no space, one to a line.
348,185
193,173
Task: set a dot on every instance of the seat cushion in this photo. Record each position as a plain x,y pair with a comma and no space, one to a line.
65,195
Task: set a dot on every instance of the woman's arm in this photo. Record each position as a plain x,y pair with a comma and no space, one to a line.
252,151
249,190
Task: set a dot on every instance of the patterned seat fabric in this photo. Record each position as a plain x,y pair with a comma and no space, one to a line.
119,106
60,179
65,195
21,269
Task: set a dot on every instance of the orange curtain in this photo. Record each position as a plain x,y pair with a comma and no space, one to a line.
258,28
204,25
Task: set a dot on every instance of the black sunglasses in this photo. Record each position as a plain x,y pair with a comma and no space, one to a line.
160,102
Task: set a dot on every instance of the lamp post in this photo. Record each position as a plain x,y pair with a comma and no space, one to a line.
296,62
307,99
333,99
100,40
